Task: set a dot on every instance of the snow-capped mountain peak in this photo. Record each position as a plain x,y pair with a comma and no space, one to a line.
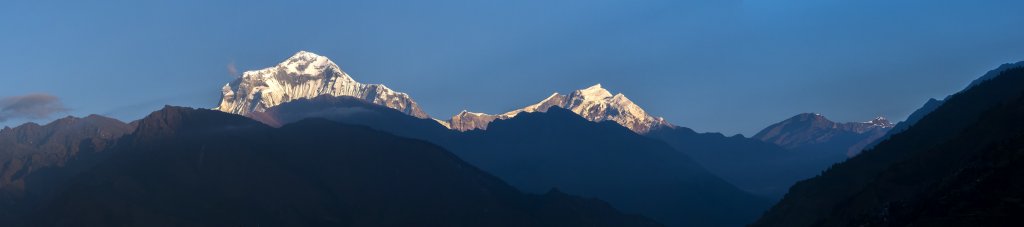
593,103
305,75
308,63
592,93
302,64
808,129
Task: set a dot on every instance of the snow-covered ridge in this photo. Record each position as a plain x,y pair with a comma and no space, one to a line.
305,75
308,75
593,103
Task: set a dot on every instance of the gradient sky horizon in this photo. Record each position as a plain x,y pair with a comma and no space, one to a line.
712,65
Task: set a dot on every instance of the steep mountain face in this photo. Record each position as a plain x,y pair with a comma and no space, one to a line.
958,166
810,131
35,158
306,75
593,103
537,151
187,167
759,167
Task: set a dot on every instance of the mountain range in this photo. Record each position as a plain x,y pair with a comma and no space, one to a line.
195,167
764,165
303,143
594,103
559,149
37,159
756,167
526,146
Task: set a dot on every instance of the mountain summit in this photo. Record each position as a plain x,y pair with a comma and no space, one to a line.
814,131
593,103
306,75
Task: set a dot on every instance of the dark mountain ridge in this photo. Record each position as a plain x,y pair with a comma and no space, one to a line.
208,168
958,166
607,161
770,162
559,149
37,159
759,167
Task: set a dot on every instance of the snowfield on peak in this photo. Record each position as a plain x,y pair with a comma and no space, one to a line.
306,75
593,103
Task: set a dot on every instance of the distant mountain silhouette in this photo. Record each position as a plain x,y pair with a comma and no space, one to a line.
351,110
37,159
191,167
559,149
753,165
815,133
536,151
960,165
780,155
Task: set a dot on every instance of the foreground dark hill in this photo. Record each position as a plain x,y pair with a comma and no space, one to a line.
36,159
960,165
559,149
187,167
759,167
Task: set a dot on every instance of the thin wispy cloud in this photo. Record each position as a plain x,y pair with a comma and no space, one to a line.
31,106
232,70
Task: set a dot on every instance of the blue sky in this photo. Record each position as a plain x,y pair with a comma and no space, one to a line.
712,65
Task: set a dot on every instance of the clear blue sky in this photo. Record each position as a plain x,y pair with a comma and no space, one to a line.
712,65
